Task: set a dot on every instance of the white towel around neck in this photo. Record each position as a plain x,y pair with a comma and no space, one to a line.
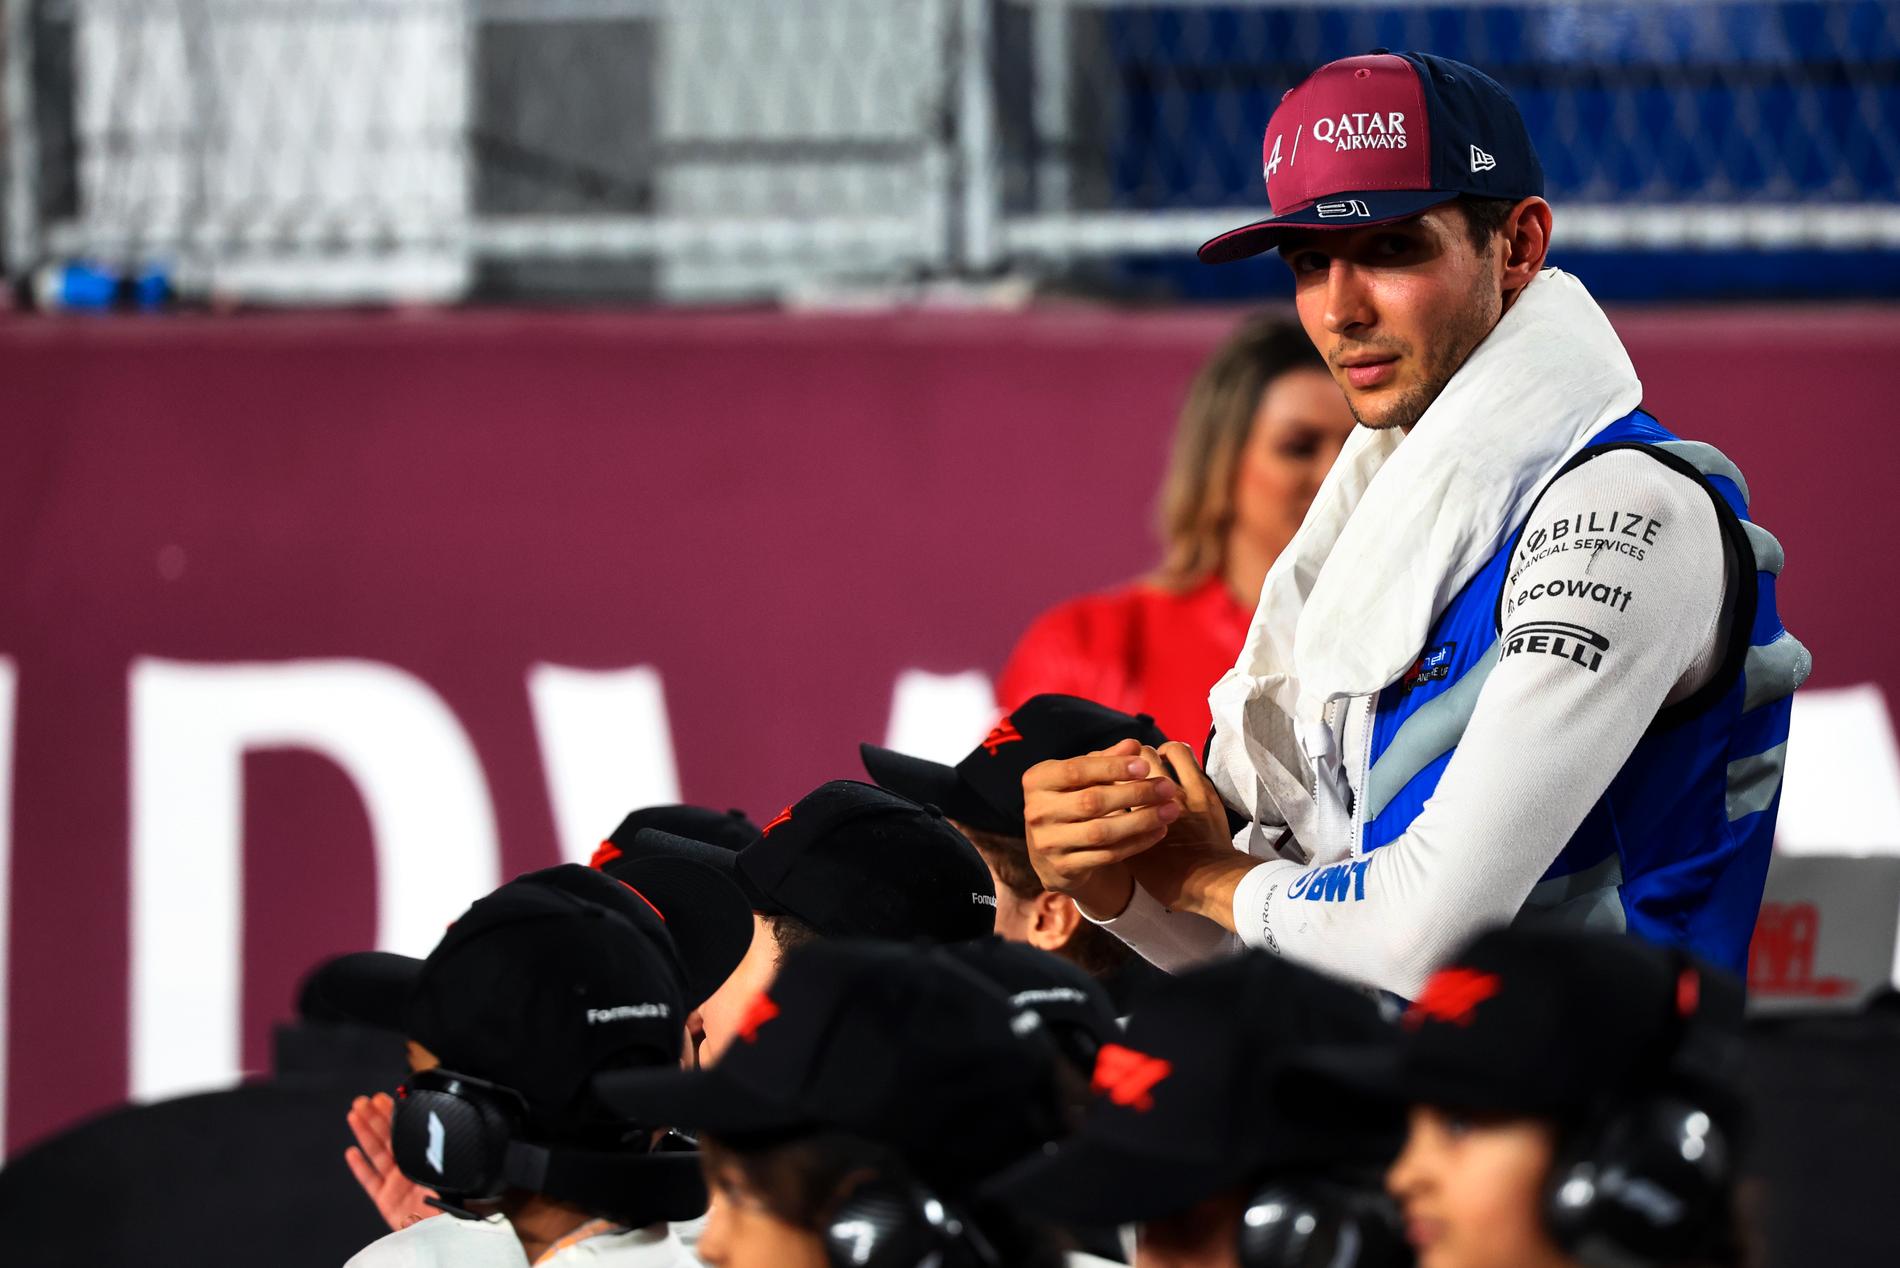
1396,530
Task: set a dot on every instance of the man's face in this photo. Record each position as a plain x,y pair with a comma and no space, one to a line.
1395,309
721,1015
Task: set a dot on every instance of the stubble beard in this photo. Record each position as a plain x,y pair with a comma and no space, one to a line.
1444,356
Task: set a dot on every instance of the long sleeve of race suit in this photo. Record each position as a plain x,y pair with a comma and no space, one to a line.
1546,737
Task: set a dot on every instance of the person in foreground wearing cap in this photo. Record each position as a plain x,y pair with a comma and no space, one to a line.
538,987
847,860
1522,654
1572,1101
1195,1136
870,1092
1079,1019
982,795
373,988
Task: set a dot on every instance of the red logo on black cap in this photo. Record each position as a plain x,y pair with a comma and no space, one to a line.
1127,1077
1688,992
777,819
757,1013
1450,996
1002,733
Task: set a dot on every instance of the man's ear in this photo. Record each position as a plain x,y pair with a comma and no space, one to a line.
1526,238
1053,920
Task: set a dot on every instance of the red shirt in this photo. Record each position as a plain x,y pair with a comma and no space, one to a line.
1141,649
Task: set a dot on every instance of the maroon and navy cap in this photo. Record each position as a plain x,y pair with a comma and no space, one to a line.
1375,138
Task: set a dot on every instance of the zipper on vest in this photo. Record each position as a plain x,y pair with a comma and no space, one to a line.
1358,828
1341,790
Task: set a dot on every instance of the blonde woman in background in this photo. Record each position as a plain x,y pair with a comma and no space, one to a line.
1260,428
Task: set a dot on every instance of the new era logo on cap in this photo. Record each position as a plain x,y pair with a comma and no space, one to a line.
1480,161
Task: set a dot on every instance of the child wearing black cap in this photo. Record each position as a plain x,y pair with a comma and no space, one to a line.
1195,1136
847,860
863,1101
541,985
1571,1104
983,796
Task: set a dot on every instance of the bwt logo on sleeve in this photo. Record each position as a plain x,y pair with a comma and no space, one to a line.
1333,884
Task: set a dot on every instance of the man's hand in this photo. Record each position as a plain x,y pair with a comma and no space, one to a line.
1086,816
1196,867
373,1162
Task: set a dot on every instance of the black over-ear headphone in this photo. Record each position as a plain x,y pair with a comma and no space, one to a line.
1320,1223
1648,1179
888,1222
464,1138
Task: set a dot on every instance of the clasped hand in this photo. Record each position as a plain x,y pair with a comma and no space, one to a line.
1127,815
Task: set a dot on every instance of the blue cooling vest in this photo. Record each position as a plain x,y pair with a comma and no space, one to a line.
1676,849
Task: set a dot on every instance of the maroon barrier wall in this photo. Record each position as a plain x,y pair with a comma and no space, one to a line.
780,513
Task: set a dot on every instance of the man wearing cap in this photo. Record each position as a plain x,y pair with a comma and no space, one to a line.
1196,1135
982,795
550,980
1572,1099
847,860
1523,654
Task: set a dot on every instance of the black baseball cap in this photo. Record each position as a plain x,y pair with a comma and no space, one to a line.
898,1044
1075,1010
707,921
1187,1104
727,829
707,917
546,982
854,861
1382,136
1551,1023
985,789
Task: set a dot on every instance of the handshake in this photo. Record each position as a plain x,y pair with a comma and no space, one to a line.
1101,824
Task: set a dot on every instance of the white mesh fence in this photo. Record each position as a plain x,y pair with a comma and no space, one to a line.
695,149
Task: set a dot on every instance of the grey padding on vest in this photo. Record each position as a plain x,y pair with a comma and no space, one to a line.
1768,553
1753,781
1774,670
1709,460
1426,736
1559,890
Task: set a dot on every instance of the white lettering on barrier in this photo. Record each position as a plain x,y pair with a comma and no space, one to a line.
940,716
1840,791
422,785
606,748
